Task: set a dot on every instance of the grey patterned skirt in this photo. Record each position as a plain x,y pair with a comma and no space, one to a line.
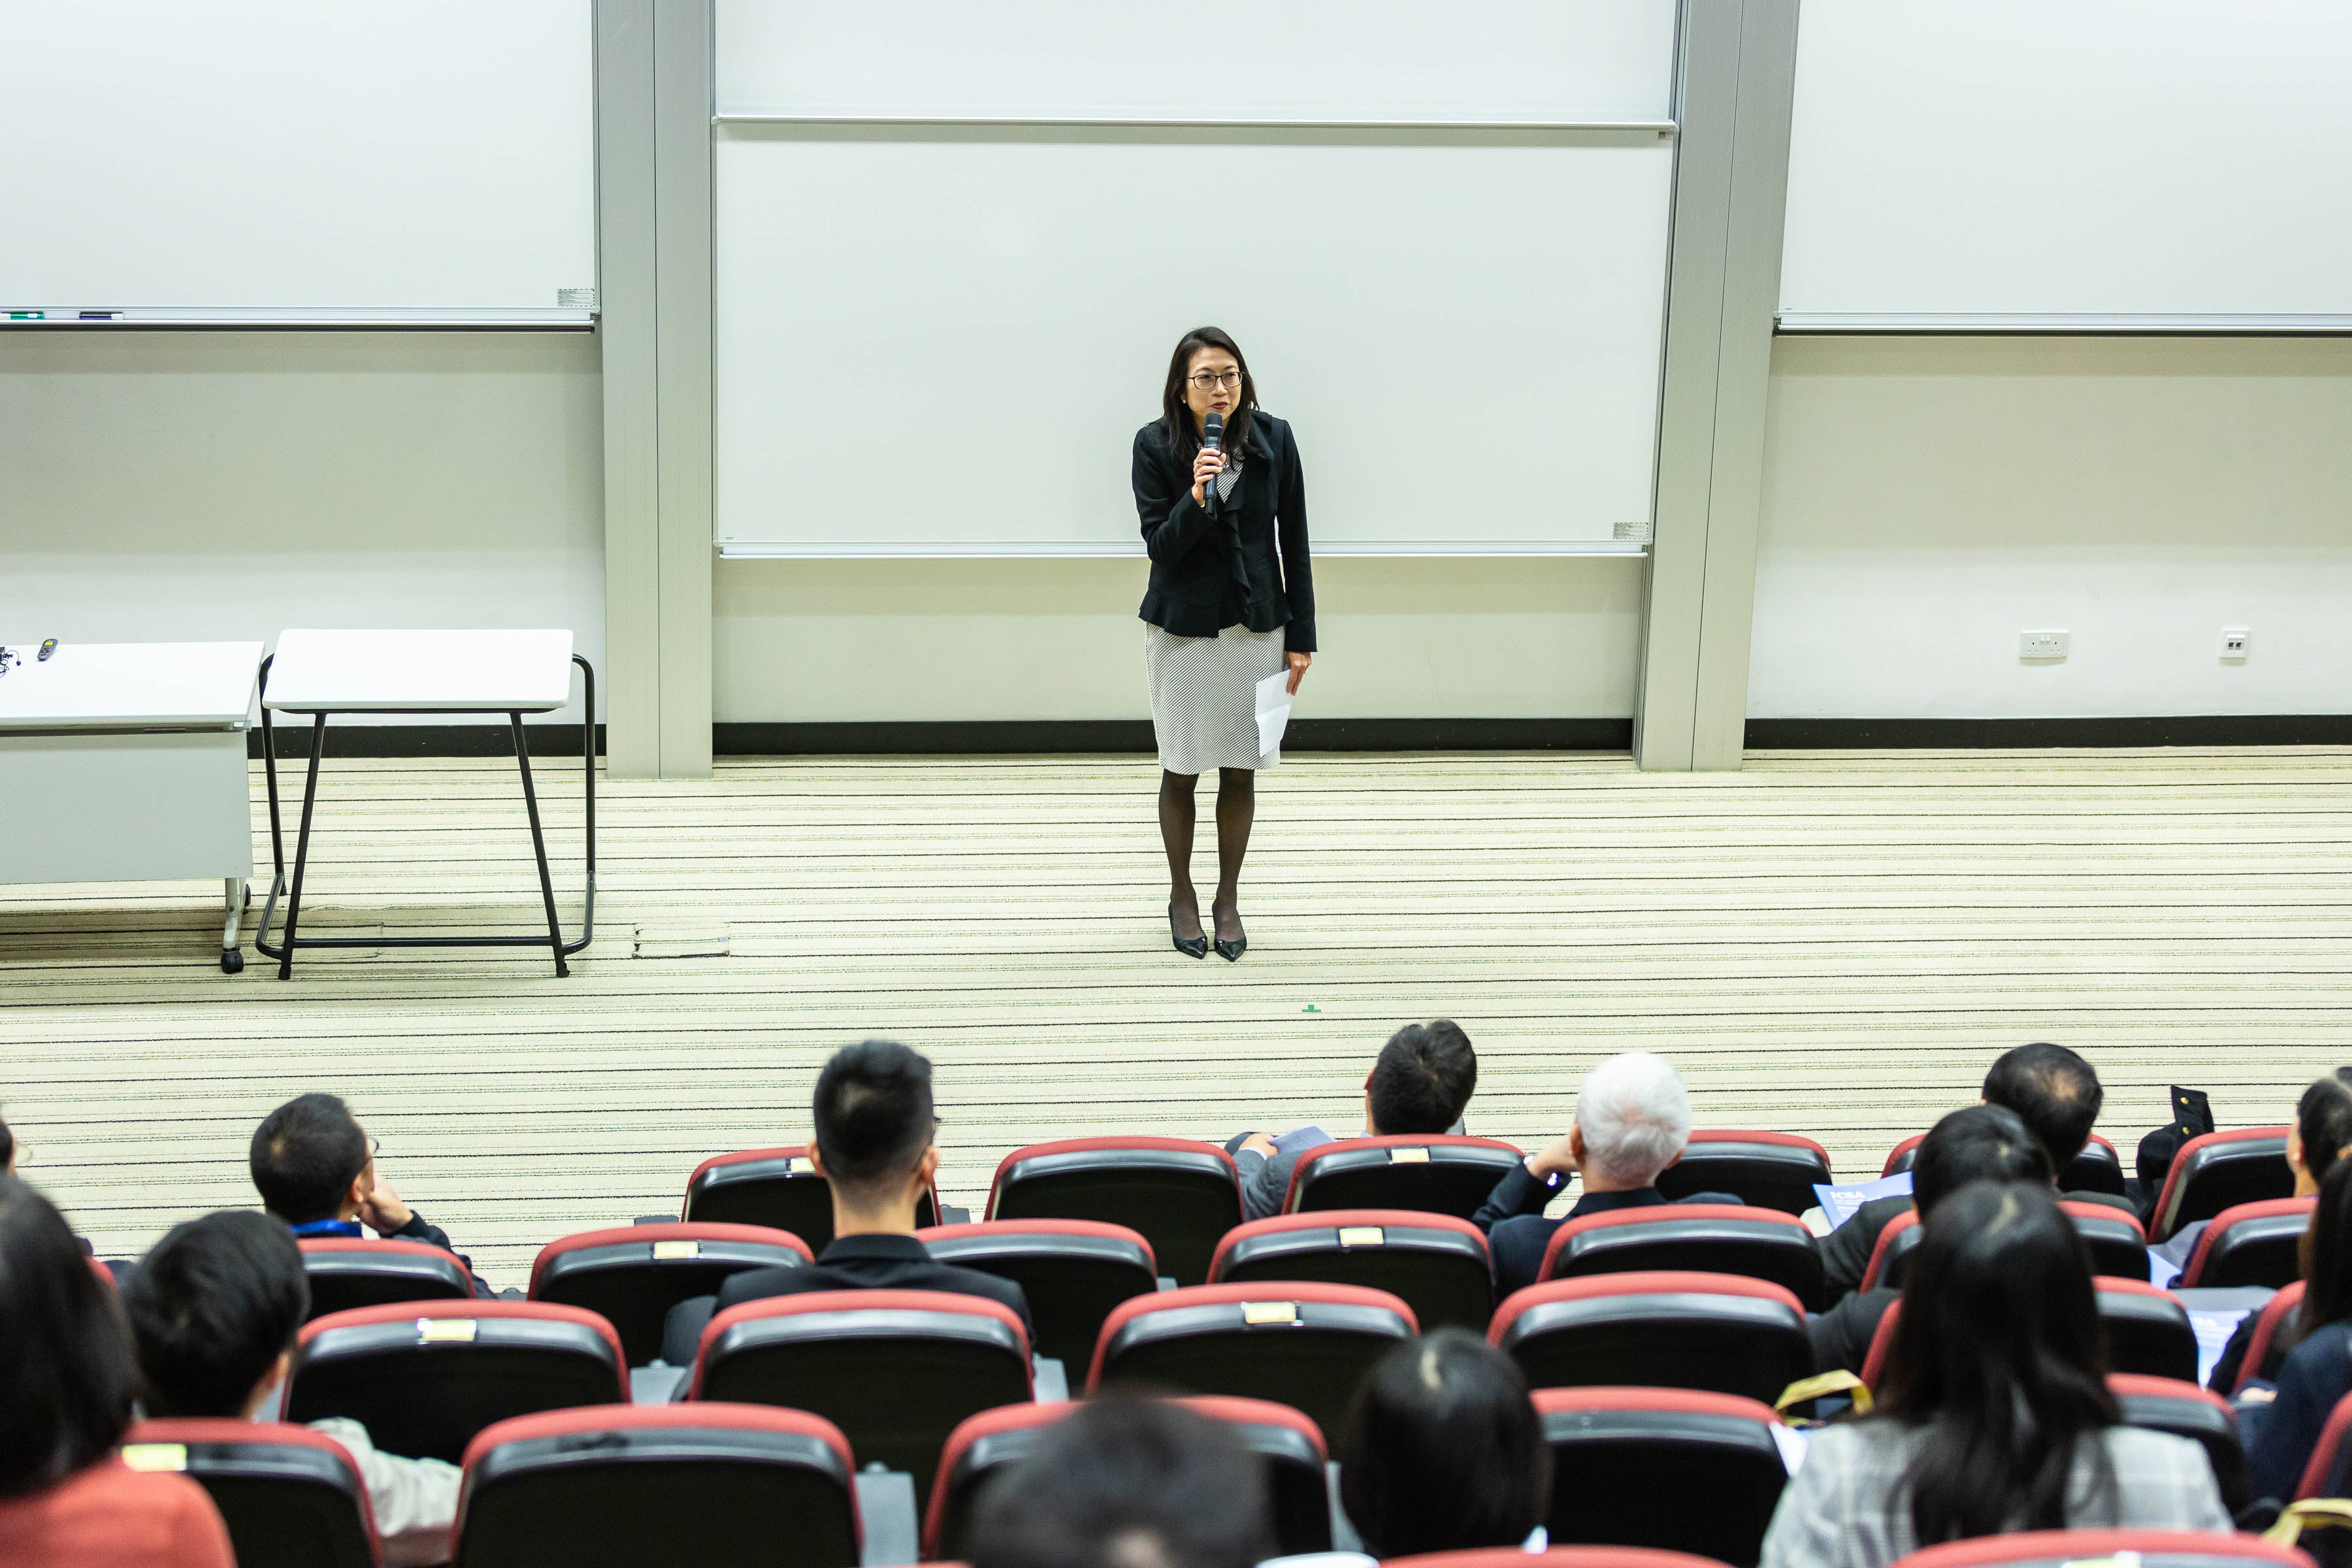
1204,696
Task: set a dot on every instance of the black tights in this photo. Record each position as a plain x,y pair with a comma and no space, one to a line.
1236,806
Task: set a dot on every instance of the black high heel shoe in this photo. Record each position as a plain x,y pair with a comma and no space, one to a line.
1230,952
1191,947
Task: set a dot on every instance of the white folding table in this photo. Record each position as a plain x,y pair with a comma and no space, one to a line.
510,672
125,762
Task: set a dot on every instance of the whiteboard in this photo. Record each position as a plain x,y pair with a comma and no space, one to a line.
1275,59
367,161
2071,165
929,342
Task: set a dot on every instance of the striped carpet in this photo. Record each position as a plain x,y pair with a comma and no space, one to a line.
1830,943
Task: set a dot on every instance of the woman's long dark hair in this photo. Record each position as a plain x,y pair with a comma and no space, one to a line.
2323,1122
67,1376
2327,1256
2000,1360
1177,414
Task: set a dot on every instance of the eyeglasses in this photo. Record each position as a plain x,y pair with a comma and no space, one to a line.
1206,381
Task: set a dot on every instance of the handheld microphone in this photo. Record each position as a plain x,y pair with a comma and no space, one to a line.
1212,440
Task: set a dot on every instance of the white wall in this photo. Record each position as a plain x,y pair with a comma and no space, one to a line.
1927,498
817,640
160,486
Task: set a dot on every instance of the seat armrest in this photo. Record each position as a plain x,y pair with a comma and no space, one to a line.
658,1383
1343,1528
886,1512
1052,1379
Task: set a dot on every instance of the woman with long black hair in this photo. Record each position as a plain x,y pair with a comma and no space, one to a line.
1231,603
2317,1371
1994,1414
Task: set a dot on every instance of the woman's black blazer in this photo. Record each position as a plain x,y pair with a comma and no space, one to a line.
1201,564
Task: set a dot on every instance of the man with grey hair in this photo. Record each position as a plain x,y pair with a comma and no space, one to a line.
1633,1116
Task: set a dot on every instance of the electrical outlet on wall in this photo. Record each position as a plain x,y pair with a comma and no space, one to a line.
2235,642
2049,647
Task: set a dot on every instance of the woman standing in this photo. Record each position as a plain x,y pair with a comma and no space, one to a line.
1231,602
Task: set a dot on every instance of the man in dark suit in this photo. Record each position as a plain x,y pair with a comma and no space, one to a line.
873,1148
2052,1091
1633,1118
1982,1143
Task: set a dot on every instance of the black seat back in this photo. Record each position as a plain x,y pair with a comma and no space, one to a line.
1436,1174
2185,1410
289,1496
1436,1264
1707,1238
778,1188
632,1275
2148,1331
1179,1195
1765,1170
1639,1458
1707,1332
347,1274
1073,1273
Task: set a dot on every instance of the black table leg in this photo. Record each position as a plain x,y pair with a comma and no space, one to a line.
302,842
539,845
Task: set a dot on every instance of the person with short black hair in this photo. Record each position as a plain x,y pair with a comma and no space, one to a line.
314,1166
1127,1483
1419,1086
1994,1414
1980,1144
8,1151
1443,1450
874,1128
66,1383
215,1310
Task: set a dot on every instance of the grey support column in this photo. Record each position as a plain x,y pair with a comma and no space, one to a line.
1734,88
653,146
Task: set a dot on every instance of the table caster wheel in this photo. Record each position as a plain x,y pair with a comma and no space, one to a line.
231,960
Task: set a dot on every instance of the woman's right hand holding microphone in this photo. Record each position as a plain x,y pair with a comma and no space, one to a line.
1206,467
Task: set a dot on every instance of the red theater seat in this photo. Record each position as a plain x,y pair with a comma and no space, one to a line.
1701,1238
1073,1271
2185,1410
2219,1170
2097,1169
1436,1173
2251,1244
1767,1169
1288,1443
349,1272
1303,1345
423,1376
2324,1475
1721,1332
2103,1548
1436,1263
290,1497
632,1275
2148,1330
675,1486
1634,1459
776,1188
1182,1196
2262,1356
895,1369
2118,1246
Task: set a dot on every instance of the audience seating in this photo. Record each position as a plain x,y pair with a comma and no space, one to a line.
290,1497
2102,1548
2118,1246
1720,1333
895,1369
632,1275
1633,1460
2185,1410
1303,1345
2324,1475
1882,1344
1700,1238
1290,1445
2148,1331
2221,1171
1437,1264
777,1188
2251,1244
680,1486
1767,1169
1074,1272
423,1376
2097,1169
1556,1557
1436,1173
2262,1357
348,1272
1181,1195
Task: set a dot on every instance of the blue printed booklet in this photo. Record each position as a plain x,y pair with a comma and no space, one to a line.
1840,1205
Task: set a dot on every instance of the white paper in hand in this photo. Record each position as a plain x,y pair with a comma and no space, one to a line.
1273,712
